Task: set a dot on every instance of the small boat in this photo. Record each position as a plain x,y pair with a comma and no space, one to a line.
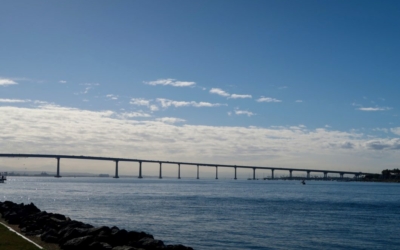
3,177
303,182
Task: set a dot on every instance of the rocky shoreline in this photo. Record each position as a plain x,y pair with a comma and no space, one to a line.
70,234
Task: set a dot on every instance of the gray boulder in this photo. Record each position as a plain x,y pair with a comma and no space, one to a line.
50,236
73,233
100,246
149,243
97,230
78,243
136,236
126,248
178,247
119,237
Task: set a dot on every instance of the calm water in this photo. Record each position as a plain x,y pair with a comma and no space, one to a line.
226,214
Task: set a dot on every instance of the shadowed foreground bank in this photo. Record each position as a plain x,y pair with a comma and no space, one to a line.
71,234
11,241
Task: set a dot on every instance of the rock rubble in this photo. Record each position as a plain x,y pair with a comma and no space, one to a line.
70,234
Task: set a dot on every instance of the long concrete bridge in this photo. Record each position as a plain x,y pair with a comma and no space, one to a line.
140,161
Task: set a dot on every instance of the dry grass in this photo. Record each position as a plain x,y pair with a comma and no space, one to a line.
11,241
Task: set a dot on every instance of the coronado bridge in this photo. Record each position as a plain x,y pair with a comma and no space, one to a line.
216,166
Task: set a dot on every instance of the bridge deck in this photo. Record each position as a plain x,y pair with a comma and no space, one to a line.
171,162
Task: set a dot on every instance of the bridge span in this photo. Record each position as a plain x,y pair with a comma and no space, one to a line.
140,161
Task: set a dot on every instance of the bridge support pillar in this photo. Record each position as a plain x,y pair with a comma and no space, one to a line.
272,173
58,168
216,172
116,170
254,173
140,170
290,174
179,170
308,174
160,177
197,171
235,173
341,175
325,175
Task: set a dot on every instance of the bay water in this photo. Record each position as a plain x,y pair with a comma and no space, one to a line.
226,214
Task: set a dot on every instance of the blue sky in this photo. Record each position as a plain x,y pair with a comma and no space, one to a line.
282,83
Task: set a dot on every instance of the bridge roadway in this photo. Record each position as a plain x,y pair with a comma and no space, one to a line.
140,161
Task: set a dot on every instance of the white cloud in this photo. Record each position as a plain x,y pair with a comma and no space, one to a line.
62,81
134,114
165,103
299,100
140,102
374,108
106,133
144,102
38,102
385,130
112,97
170,120
5,82
57,109
86,90
219,92
347,145
153,108
204,104
299,127
236,96
14,100
90,84
370,109
383,144
395,131
267,99
243,112
171,82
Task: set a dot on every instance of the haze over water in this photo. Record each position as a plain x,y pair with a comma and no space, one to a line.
226,214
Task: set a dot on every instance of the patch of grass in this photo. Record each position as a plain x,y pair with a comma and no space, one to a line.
11,241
